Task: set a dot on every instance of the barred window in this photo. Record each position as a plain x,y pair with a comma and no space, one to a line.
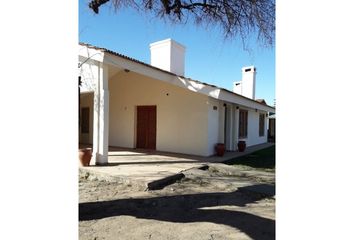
243,123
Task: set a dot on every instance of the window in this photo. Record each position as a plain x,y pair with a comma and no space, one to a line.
85,120
243,123
261,124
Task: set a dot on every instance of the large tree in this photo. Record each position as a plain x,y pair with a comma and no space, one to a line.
237,18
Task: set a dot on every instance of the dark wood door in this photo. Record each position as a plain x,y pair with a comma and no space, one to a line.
146,127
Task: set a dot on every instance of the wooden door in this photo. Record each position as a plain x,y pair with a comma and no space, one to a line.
146,127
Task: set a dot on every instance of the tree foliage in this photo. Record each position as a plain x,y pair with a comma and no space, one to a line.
237,18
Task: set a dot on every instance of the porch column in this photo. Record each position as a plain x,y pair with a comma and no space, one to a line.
101,117
237,122
229,127
234,130
232,133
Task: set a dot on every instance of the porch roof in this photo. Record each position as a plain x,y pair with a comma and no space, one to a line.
173,74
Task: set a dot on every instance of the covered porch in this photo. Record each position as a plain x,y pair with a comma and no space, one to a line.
141,167
126,156
191,116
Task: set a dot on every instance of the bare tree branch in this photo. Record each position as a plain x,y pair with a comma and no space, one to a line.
237,18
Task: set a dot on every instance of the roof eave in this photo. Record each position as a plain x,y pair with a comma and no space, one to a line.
211,90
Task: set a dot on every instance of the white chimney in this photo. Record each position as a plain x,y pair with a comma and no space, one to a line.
168,55
238,87
247,87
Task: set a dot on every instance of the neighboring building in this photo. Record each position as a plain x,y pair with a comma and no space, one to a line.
128,103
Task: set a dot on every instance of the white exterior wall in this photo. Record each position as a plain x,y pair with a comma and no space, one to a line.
213,124
182,116
253,137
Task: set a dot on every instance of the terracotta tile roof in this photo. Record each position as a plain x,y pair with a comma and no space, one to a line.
159,69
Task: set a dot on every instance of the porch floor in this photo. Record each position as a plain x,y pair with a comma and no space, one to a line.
139,167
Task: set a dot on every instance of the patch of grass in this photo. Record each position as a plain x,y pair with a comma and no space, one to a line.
263,159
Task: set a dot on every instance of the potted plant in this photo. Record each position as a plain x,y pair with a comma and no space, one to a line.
241,145
220,149
85,155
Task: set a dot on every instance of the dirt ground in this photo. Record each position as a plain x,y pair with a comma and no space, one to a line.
217,203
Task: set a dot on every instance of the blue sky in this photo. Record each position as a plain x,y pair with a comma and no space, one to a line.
209,57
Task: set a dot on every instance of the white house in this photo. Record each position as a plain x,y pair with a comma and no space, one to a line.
128,103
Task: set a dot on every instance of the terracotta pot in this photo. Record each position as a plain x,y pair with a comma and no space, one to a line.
220,149
241,145
85,155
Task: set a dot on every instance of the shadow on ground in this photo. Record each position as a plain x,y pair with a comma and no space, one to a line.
132,162
190,208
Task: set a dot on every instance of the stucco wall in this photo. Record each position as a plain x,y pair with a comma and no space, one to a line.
213,124
182,116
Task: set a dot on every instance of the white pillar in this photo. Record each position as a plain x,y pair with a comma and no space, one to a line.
101,117
237,122
221,137
95,123
229,127
232,132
